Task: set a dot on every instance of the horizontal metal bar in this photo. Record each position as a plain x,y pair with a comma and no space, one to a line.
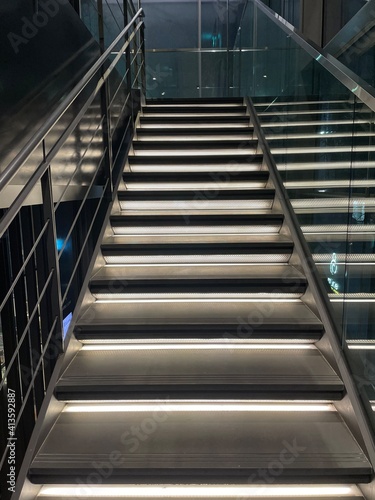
31,385
344,75
23,267
76,170
22,196
11,170
318,291
78,258
208,50
22,338
78,212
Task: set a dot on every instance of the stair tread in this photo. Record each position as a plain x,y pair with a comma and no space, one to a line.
201,444
276,314
228,160
200,272
203,108
209,176
191,194
190,220
159,368
232,243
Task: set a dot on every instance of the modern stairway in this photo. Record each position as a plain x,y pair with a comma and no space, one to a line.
198,375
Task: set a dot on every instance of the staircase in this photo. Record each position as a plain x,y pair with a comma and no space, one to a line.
198,375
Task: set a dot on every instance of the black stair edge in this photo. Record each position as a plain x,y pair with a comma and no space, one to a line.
230,159
223,194
195,100
339,475
251,175
202,108
195,220
197,248
229,392
199,285
195,119
199,331
195,144
200,131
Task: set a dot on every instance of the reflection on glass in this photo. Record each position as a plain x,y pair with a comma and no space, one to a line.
322,138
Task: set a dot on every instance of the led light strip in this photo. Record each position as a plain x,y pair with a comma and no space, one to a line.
200,296
215,341
215,184
195,152
198,491
199,347
177,230
207,406
191,300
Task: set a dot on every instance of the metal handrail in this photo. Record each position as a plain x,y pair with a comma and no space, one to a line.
316,285
13,167
356,85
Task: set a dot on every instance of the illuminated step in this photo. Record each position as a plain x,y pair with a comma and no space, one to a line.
194,199
186,120
247,320
237,281
202,134
228,109
197,163
279,102
202,492
187,144
300,122
200,371
150,439
200,180
197,249
292,113
196,224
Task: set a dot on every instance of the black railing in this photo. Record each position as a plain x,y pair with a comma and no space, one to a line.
60,186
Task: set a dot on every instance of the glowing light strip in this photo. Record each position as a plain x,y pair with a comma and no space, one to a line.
200,300
362,347
194,152
209,347
205,491
214,406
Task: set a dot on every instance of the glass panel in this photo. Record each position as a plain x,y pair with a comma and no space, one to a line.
322,139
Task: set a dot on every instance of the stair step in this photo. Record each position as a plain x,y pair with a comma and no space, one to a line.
158,371
253,161
189,223
202,133
189,101
276,107
174,443
245,320
189,177
193,109
195,144
188,249
225,194
195,120
273,280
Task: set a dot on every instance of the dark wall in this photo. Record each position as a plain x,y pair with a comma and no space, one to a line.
45,49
